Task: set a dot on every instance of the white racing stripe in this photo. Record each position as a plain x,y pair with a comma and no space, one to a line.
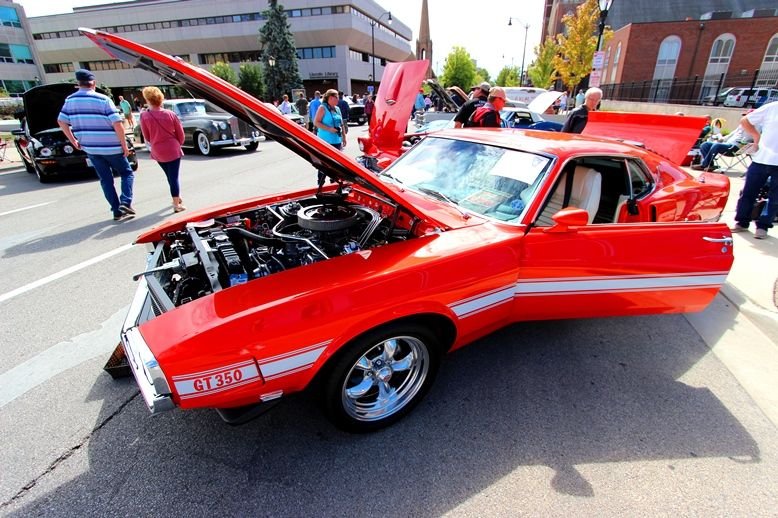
586,286
62,273
26,208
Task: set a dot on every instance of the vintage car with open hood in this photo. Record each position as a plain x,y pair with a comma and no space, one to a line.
43,147
355,292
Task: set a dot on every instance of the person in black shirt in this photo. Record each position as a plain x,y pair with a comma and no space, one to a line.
480,96
344,109
577,119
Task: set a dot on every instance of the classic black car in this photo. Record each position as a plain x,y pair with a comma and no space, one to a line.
43,147
207,127
356,112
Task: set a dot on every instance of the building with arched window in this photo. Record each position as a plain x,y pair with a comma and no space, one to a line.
706,55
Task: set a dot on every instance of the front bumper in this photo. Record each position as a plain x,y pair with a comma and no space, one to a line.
144,366
241,141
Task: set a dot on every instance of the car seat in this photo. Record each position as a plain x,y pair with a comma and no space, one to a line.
585,194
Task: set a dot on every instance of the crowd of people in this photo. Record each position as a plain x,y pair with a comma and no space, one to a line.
93,123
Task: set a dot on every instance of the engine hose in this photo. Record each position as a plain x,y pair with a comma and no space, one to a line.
270,241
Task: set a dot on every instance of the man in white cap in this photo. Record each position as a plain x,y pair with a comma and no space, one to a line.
480,94
488,115
92,123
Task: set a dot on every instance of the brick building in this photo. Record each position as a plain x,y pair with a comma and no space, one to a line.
712,53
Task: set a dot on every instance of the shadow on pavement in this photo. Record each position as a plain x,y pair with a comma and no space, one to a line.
551,394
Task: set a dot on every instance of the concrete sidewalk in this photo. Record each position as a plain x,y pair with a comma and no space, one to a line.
12,161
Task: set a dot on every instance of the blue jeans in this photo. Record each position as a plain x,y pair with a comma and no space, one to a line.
171,171
710,150
105,165
756,176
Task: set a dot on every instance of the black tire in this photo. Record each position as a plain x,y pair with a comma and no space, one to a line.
252,147
42,177
402,359
30,168
202,144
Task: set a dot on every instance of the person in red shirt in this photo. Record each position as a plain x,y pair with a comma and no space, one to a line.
488,115
164,134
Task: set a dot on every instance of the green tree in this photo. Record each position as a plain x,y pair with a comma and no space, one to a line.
576,48
277,42
250,79
542,71
508,76
483,75
224,71
458,69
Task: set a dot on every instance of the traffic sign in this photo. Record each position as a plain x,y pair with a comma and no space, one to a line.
598,60
370,89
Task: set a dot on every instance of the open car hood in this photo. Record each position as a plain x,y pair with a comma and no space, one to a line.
671,136
233,100
42,105
544,101
393,103
443,94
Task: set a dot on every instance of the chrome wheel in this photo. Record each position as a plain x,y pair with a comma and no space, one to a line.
385,378
203,145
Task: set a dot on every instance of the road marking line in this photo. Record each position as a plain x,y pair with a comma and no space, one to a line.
67,271
26,208
61,357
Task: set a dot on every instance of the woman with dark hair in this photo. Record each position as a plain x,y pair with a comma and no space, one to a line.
164,135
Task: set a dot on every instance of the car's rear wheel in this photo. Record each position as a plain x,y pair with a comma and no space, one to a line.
380,377
252,147
203,144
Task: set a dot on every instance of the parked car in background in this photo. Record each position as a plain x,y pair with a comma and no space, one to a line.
750,98
42,146
207,127
717,99
356,112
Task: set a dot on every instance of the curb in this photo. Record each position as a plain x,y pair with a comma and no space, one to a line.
12,169
765,319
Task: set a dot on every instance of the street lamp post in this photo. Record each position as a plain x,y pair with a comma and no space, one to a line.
373,23
605,5
271,62
524,52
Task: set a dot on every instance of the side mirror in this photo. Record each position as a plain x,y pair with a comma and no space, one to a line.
632,207
569,217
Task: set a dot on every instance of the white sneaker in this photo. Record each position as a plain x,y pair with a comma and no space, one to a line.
760,233
737,228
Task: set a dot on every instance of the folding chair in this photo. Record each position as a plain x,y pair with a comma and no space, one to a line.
3,148
739,158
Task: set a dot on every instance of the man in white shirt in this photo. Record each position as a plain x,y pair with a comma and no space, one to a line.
764,165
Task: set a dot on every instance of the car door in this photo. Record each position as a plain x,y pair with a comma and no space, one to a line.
597,270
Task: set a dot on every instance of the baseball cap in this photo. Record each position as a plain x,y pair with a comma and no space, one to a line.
84,75
498,91
485,87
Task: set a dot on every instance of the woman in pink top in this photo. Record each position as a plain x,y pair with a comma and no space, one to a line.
164,134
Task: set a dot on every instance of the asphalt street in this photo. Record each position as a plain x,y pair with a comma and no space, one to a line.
602,417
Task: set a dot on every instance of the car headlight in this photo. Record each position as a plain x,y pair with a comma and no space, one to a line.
223,125
67,148
224,136
45,151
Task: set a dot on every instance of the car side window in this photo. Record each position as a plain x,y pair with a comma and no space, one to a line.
640,181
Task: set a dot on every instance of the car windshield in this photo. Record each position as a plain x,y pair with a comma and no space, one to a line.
488,180
191,107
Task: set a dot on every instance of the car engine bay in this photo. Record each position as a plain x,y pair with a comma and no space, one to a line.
208,256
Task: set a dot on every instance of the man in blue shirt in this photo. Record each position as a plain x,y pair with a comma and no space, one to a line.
313,106
92,123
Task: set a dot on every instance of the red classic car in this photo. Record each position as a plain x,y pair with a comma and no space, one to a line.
355,292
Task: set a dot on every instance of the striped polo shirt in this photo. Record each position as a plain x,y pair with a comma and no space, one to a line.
91,116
